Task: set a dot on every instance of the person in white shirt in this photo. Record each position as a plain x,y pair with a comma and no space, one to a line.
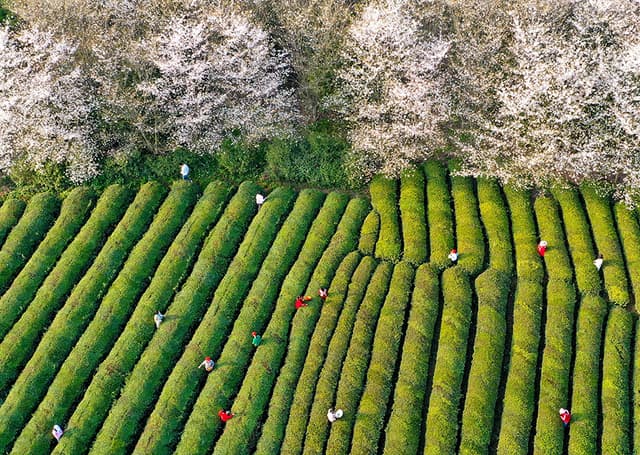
207,363
158,318
333,416
598,261
184,171
453,255
260,200
57,432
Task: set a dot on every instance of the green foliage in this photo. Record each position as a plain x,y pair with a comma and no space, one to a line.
496,225
413,217
469,236
126,416
439,215
606,237
369,233
580,242
384,357
73,213
586,376
254,394
70,321
187,308
383,198
556,258
636,391
109,317
176,401
327,385
403,428
10,213
238,160
356,363
616,386
316,158
492,288
629,230
23,239
318,346
446,392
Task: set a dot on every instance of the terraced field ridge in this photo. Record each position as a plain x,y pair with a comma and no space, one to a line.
422,354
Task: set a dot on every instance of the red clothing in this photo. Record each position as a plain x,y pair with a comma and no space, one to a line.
565,417
224,416
300,303
541,250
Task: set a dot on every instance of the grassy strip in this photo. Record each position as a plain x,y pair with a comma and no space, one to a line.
616,387
302,328
60,281
403,429
636,391
444,402
492,288
71,320
586,376
325,390
73,214
369,233
439,215
253,397
383,198
181,389
469,236
187,308
23,239
370,419
630,239
318,346
125,419
10,213
606,237
496,224
354,369
116,306
413,217
556,358
580,242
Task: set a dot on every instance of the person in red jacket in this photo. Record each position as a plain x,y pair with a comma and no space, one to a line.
225,415
542,248
565,416
300,302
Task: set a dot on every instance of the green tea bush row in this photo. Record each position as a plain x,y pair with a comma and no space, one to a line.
384,357
73,214
318,347
492,288
187,308
18,344
383,198
519,395
25,236
369,233
469,236
181,389
446,391
576,225
70,321
403,430
636,391
302,328
327,385
413,217
556,357
606,237
439,216
496,224
356,363
616,387
10,213
126,416
253,397
630,239
585,403
110,317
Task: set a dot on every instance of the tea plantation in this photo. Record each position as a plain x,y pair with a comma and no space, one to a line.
423,355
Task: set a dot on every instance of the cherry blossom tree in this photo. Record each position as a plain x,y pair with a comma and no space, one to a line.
392,86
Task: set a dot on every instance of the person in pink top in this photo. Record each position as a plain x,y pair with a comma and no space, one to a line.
542,248
565,416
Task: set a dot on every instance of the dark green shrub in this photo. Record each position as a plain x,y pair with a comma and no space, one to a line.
369,233
495,218
469,236
239,161
439,216
10,213
190,303
630,238
413,217
556,258
383,198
